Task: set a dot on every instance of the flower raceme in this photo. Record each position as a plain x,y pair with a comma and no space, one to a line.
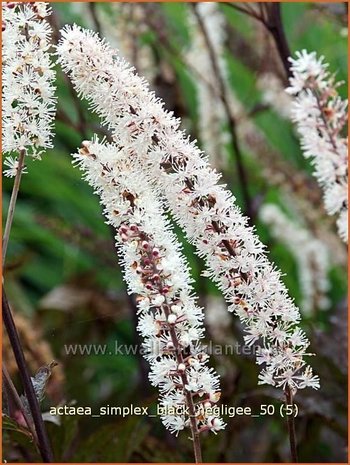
204,209
28,102
155,270
321,115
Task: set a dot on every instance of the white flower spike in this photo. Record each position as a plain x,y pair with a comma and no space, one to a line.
310,253
155,270
204,209
321,116
28,102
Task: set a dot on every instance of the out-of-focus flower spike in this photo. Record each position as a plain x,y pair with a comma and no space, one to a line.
310,253
320,116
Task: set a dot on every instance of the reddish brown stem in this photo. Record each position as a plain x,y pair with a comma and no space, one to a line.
43,441
188,395
17,400
291,426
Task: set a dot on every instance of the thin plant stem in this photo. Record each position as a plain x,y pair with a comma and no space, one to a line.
275,27
12,205
13,392
326,125
188,395
270,17
247,10
291,426
43,441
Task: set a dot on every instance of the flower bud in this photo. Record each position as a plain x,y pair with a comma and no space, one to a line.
155,252
172,318
181,367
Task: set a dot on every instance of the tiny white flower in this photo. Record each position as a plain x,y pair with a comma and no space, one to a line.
172,318
181,367
12,167
216,424
310,380
266,376
158,301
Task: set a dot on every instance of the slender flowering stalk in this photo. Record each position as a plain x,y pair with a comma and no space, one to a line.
41,434
321,115
28,102
155,270
28,107
311,256
19,170
204,209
